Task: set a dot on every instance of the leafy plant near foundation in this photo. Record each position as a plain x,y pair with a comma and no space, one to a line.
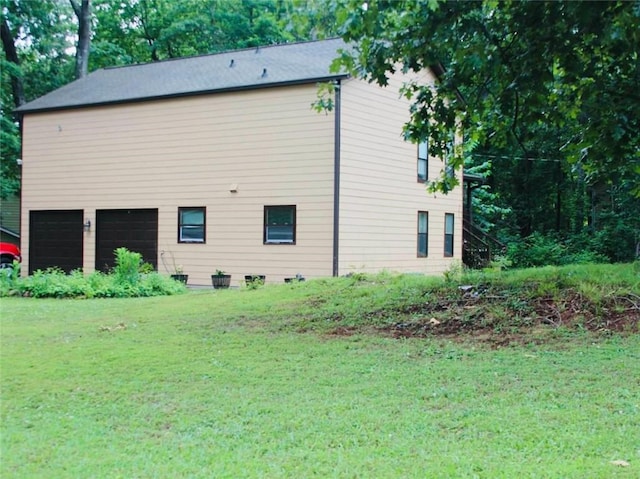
129,278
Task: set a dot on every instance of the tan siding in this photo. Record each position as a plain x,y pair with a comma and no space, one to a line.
379,195
187,152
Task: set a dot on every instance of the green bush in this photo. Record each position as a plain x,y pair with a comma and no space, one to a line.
617,239
128,264
549,250
535,250
125,281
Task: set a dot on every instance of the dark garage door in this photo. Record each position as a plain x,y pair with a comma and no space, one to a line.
136,230
55,239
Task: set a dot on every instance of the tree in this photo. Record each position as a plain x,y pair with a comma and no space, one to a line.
510,72
83,13
34,40
153,30
12,58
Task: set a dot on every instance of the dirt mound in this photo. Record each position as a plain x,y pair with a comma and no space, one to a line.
501,316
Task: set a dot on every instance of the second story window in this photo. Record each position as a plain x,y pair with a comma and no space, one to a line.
423,162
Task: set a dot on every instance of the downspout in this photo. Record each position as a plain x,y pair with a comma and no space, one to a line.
336,180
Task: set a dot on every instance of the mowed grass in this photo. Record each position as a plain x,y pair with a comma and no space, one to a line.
224,384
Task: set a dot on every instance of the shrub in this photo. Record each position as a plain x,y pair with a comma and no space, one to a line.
9,280
535,250
128,264
617,239
254,283
549,250
126,280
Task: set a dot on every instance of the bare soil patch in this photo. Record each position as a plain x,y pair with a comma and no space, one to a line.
501,317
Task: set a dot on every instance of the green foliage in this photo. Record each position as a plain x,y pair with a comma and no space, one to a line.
540,92
618,235
616,242
512,72
488,207
541,250
143,31
254,283
146,268
9,145
55,283
500,263
325,100
130,278
127,268
454,272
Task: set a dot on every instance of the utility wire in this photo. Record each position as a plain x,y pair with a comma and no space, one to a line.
522,158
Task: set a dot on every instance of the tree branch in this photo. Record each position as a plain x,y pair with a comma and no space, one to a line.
83,12
76,8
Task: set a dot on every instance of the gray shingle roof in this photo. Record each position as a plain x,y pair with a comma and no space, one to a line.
234,70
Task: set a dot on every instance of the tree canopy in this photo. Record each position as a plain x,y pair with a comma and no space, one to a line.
545,93
554,80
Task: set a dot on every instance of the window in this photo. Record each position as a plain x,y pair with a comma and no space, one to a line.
423,234
448,234
280,224
191,225
451,144
423,162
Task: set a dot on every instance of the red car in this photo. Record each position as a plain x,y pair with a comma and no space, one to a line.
8,254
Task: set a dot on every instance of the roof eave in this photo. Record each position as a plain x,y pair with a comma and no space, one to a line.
22,110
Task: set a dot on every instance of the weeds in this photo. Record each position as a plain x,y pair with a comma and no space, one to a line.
131,277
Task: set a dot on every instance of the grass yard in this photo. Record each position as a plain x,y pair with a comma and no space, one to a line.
254,384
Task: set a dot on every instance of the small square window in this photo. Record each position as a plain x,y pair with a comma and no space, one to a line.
192,225
423,234
279,224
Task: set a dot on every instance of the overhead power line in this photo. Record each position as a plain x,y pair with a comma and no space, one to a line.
520,158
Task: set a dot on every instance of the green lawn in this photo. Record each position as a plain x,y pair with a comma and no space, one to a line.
218,384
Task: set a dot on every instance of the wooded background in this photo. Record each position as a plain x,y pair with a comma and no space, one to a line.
546,93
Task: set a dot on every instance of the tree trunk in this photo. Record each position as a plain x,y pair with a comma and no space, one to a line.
83,12
558,197
12,57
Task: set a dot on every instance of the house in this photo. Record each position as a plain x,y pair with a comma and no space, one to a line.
219,162
10,220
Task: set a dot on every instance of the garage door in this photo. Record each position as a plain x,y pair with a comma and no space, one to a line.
136,230
55,239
